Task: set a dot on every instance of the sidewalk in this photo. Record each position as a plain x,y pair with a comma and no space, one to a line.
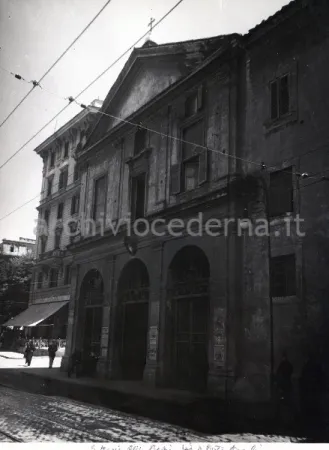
10,355
178,407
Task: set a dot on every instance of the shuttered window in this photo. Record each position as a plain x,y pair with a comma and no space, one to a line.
99,198
280,97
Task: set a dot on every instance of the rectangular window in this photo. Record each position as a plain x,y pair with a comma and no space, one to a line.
63,177
66,149
43,244
75,204
76,174
67,276
49,186
138,196
46,216
53,278
281,199
58,235
280,97
52,160
60,209
193,136
140,140
40,280
283,276
99,198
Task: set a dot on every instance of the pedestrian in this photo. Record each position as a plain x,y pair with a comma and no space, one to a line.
52,349
29,350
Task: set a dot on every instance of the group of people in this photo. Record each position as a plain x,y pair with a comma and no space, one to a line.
311,389
31,347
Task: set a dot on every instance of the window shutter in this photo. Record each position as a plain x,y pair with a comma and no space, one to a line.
203,166
175,179
200,97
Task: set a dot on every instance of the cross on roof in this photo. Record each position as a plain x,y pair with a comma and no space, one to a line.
151,24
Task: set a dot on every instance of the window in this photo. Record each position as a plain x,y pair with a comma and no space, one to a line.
49,186
75,204
66,149
40,280
12,249
281,200
53,278
52,160
43,244
58,235
138,186
99,198
60,209
46,216
67,275
63,177
140,140
283,276
190,153
191,105
76,174
280,97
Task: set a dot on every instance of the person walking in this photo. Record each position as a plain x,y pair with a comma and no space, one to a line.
52,349
30,349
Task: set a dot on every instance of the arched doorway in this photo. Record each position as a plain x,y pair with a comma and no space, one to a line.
188,293
133,300
92,297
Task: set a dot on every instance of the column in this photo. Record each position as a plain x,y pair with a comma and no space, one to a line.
72,319
152,359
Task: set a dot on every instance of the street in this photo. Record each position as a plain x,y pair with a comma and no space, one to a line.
29,417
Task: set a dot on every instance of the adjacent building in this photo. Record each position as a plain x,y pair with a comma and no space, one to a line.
46,316
23,246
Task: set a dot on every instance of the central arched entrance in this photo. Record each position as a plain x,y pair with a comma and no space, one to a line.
188,293
92,297
133,300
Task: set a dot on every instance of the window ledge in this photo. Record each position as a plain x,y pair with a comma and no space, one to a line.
273,125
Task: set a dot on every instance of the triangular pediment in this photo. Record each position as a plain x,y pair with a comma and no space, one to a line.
149,71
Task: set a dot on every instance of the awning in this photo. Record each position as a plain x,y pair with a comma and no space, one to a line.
34,314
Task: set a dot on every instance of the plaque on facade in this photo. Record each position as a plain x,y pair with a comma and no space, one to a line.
153,343
219,354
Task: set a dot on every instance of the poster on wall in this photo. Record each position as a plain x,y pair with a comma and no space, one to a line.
219,354
153,343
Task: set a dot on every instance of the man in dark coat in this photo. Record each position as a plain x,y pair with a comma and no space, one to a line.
52,349
29,350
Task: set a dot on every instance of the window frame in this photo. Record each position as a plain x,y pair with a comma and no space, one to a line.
53,283
66,149
196,119
60,211
63,178
277,212
133,194
75,204
277,82
288,288
97,180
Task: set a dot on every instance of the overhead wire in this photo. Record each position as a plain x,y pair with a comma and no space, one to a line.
72,99
36,83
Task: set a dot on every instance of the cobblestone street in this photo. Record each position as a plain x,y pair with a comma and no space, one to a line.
28,417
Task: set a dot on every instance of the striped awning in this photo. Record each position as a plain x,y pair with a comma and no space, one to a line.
34,314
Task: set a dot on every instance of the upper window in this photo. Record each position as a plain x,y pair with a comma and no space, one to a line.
140,140
58,235
52,160
49,186
283,276
66,149
138,196
76,173
46,216
99,198
280,97
43,244
281,199
191,105
53,278
75,204
63,177
60,209
193,136
12,249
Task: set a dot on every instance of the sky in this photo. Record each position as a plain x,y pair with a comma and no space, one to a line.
33,33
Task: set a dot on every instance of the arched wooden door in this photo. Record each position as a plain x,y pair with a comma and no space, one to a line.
133,300
92,297
189,305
